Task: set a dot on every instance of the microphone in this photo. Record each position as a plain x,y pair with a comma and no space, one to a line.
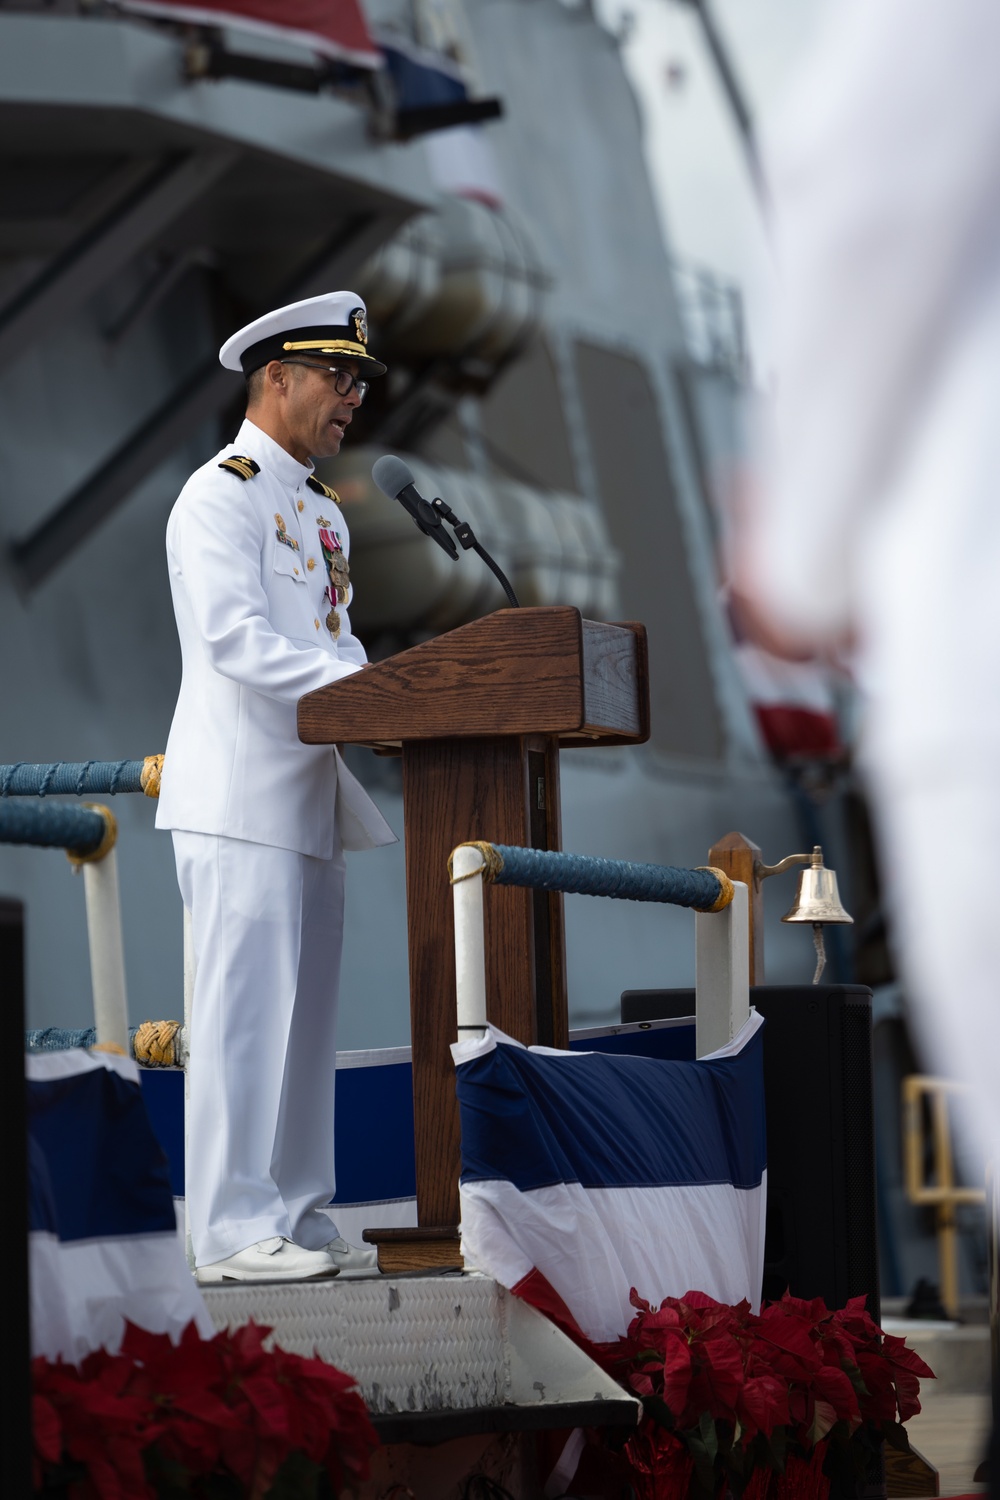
395,479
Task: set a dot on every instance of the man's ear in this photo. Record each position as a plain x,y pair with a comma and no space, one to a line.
275,376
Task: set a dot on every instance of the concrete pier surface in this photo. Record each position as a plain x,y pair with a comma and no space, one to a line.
952,1431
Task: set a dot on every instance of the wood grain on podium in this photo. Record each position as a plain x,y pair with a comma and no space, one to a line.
481,713
456,790
524,671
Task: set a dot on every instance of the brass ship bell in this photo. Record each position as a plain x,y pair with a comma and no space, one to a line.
817,899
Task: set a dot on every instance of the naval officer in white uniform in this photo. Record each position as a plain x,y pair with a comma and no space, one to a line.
258,552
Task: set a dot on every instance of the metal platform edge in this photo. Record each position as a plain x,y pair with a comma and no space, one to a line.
425,1428
437,1358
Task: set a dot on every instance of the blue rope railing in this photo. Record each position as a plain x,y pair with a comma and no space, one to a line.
79,830
59,1039
153,1044
76,778
582,874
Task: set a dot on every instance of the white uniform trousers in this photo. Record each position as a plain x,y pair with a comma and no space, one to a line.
267,926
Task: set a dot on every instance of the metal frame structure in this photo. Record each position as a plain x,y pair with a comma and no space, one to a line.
943,1195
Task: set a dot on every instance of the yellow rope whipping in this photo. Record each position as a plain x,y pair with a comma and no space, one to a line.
156,1044
149,776
491,866
726,892
107,842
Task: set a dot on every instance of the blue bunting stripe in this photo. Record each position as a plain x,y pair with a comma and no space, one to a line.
534,1120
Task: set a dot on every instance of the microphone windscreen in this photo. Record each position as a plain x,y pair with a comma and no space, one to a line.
391,475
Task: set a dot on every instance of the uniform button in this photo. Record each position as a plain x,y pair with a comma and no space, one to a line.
301,505
310,563
296,572
316,623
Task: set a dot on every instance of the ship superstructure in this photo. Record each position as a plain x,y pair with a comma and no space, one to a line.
547,380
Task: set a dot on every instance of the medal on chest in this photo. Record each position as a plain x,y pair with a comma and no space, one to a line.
281,533
337,572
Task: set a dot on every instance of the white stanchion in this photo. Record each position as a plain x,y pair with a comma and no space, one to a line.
722,964
470,949
107,955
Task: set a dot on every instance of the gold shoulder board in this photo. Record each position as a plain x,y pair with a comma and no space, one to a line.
243,468
322,489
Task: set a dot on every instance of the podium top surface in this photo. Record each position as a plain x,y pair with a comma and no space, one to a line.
514,672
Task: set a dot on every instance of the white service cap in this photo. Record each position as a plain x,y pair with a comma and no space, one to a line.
334,324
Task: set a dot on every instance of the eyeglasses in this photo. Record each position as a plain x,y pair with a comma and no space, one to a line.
343,381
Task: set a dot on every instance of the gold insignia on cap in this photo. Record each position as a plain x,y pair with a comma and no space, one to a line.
360,322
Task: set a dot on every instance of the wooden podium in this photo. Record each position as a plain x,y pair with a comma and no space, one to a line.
480,714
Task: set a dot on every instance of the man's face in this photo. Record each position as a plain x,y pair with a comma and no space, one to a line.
316,417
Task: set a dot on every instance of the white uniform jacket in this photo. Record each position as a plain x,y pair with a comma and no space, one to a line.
251,614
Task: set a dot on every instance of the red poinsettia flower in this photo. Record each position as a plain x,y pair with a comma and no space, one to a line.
737,1390
222,1406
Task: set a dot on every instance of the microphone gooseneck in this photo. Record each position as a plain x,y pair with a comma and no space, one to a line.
395,479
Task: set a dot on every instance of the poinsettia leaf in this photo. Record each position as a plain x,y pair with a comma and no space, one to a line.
791,1335
824,1417
779,1446
296,1477
657,1409
268,1401
835,1387
46,1429
676,1373
206,1407
724,1360
701,1299
703,1454
709,1434
647,1356
764,1402
907,1395
896,1436
898,1353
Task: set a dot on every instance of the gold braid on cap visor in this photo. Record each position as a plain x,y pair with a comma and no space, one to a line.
324,346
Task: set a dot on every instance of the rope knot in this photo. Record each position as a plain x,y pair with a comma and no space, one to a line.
149,776
491,866
156,1044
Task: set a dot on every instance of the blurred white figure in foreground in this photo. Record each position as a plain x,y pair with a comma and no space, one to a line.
878,517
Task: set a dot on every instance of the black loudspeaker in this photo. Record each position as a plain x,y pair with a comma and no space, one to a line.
820,1237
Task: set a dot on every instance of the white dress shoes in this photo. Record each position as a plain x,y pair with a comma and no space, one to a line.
352,1260
275,1259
